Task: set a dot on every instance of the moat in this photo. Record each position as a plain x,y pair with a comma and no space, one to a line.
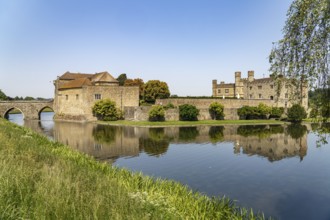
277,169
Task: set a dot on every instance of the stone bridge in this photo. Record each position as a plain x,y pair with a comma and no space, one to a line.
30,109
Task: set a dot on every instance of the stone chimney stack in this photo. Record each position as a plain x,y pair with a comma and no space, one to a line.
237,77
214,88
251,75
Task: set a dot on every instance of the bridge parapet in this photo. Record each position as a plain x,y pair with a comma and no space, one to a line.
30,109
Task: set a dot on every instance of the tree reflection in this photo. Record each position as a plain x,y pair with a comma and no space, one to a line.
262,131
104,133
188,133
216,134
156,143
296,130
323,132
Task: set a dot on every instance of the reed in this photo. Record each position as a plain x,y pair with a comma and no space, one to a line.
41,179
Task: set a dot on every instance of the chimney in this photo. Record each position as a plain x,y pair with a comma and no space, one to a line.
250,75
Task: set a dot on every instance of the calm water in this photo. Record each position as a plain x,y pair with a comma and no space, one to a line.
275,169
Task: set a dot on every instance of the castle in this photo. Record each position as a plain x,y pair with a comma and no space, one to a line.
76,93
260,89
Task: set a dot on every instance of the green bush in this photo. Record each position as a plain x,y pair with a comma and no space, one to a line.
296,113
157,113
169,106
252,112
314,113
188,112
216,110
106,110
276,112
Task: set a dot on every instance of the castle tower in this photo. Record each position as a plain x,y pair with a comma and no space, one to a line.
250,75
214,88
238,85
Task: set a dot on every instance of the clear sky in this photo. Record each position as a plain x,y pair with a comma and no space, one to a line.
186,43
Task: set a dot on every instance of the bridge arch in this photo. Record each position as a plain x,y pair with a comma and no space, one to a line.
6,113
42,109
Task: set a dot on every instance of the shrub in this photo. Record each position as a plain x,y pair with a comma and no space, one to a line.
276,112
188,112
157,113
216,110
169,105
263,110
296,113
106,110
252,112
314,113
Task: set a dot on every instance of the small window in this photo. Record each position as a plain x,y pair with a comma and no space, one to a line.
250,87
259,87
271,97
251,96
227,91
219,90
286,95
272,86
97,96
66,97
260,96
77,97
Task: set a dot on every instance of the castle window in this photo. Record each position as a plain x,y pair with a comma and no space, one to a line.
77,96
219,90
286,95
259,87
66,97
271,86
97,96
271,97
250,87
251,96
260,96
227,91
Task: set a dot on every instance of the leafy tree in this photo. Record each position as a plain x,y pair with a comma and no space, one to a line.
296,113
216,110
106,110
28,98
122,78
3,96
155,89
157,113
303,53
264,110
276,112
188,112
136,82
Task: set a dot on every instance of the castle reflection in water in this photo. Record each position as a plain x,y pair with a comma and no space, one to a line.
274,142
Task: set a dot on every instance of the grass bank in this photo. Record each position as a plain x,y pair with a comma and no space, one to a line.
41,179
191,123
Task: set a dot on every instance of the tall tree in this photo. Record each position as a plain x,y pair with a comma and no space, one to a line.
155,89
303,53
3,96
122,78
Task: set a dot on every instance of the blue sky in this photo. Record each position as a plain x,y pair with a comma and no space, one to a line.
186,43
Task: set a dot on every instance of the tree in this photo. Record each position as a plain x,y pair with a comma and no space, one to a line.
304,52
188,112
3,96
136,82
106,110
296,113
216,110
155,89
28,98
122,78
157,113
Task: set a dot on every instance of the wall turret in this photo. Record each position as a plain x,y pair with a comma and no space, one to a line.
250,75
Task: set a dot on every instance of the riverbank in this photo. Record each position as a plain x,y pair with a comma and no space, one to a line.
41,179
191,123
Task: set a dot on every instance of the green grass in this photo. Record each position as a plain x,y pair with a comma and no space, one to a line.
40,179
191,123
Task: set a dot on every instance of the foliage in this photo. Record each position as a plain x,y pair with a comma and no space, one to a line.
188,133
157,113
169,106
156,144
105,134
296,131
3,96
122,78
216,110
106,110
136,82
276,112
188,112
296,113
29,98
261,131
155,89
303,53
42,179
314,113
264,110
